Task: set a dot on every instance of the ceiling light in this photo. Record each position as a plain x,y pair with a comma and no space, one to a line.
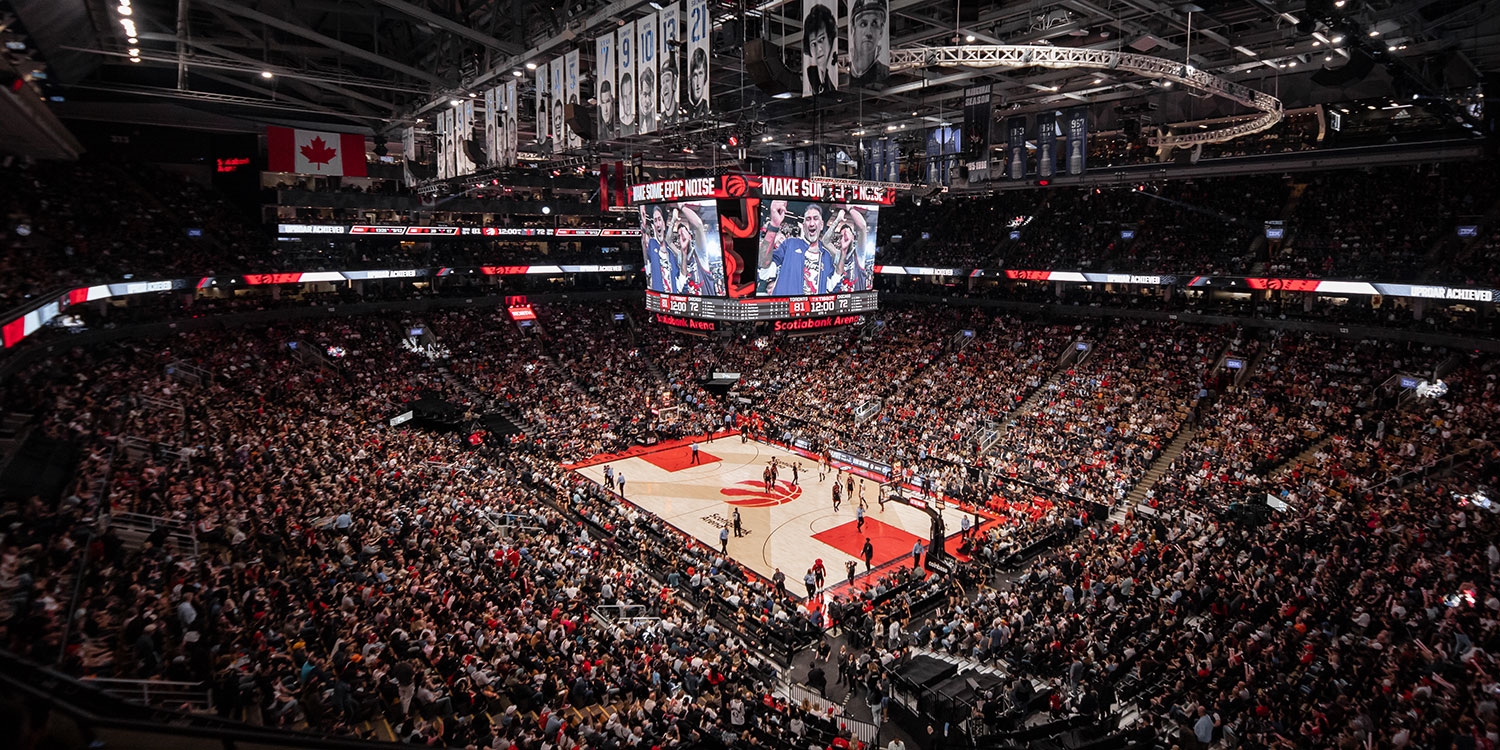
1166,84
516,73
1337,39
124,10
1328,58
1374,32
454,102
267,74
1369,106
1292,64
766,139
419,119
531,66
890,128
1338,3
134,51
546,210
914,114
1391,48
969,39
132,40
1317,43
1098,81
135,59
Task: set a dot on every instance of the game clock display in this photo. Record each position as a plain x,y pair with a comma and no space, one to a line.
762,308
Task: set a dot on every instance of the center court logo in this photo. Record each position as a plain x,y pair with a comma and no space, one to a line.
752,494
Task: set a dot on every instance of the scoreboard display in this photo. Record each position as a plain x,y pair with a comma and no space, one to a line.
755,248
761,308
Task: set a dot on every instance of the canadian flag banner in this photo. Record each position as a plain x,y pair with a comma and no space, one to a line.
315,152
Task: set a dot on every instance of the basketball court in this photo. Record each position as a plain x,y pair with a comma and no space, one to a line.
789,527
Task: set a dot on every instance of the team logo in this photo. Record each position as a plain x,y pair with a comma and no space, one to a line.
752,494
734,186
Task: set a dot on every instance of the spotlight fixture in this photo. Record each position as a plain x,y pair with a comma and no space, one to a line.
516,73
969,39
454,102
1337,39
531,66
267,74
546,210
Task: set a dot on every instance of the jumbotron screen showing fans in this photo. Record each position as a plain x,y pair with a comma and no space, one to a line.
810,247
680,243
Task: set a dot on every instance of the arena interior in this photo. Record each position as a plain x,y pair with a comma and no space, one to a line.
805,375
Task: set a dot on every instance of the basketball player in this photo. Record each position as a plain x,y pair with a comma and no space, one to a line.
837,496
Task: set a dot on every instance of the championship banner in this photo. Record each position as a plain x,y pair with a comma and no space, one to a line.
669,65
645,72
543,105
604,85
556,91
892,160
820,72
315,152
869,43
1077,134
1015,145
698,27
625,90
977,132
512,133
570,68
1046,144
493,122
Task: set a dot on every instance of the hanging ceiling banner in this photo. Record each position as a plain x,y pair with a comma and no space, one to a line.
820,72
570,74
669,65
1077,133
557,92
543,104
698,28
1015,145
1046,144
604,85
647,49
869,43
625,88
976,153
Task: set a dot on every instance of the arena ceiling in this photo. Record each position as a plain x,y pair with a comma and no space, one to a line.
378,65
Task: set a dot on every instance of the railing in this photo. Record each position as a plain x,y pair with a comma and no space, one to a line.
100,491
181,533
189,372
136,447
863,412
795,693
1444,464
188,696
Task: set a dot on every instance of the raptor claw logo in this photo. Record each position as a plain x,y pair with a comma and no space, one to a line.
752,494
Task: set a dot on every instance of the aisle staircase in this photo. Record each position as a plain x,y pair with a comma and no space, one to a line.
1158,468
1288,210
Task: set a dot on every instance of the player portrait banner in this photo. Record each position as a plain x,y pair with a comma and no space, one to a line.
465,134
1015,147
409,151
570,67
315,152
669,61
977,132
625,80
512,124
698,27
556,91
869,43
1077,133
442,137
648,49
543,103
1046,144
494,120
604,85
820,73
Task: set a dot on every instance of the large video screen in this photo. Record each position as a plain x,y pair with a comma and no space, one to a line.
681,246
815,248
